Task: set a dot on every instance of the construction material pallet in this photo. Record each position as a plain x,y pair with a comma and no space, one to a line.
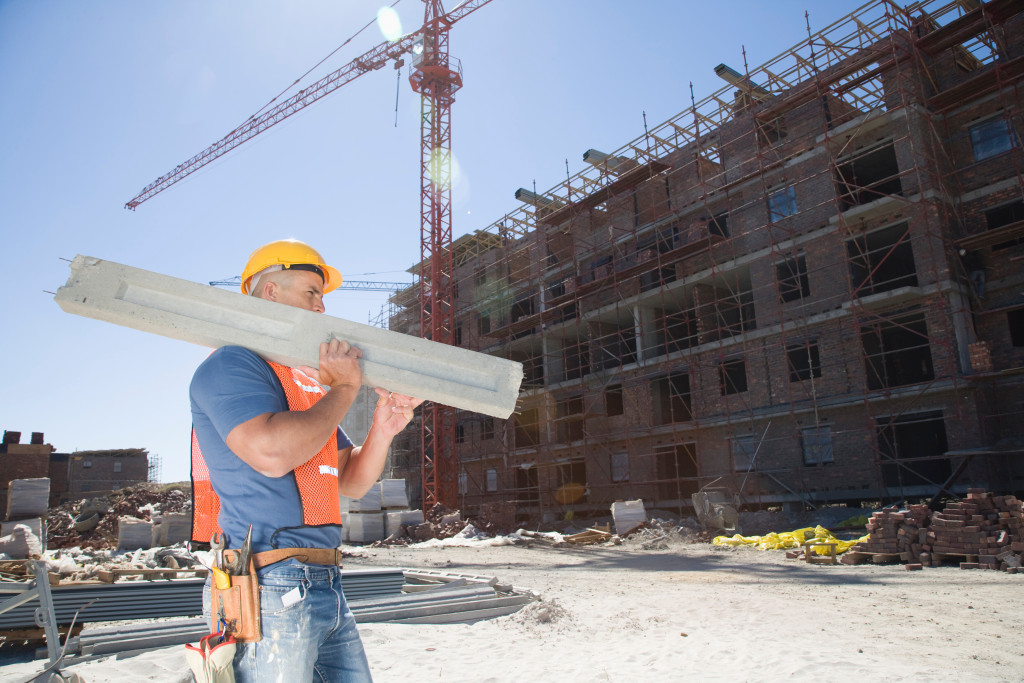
965,560
862,557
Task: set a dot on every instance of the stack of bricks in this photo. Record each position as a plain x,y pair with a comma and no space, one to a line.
893,535
1011,513
979,531
981,356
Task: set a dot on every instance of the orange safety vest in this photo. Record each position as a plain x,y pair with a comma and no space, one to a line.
319,494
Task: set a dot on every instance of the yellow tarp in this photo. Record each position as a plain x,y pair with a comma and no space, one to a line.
790,539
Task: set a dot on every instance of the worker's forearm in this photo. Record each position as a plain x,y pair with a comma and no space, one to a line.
364,465
274,444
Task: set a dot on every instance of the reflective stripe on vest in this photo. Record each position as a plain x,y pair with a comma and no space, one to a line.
317,492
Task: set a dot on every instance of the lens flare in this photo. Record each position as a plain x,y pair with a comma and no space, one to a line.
389,23
443,169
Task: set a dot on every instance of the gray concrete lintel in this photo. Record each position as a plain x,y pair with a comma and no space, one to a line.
212,317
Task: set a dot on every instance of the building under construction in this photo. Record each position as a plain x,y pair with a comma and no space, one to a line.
806,288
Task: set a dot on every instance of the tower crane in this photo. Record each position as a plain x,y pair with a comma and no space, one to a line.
436,81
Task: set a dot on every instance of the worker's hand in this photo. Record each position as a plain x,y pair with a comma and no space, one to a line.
393,412
339,364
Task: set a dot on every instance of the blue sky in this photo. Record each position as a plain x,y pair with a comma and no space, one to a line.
101,98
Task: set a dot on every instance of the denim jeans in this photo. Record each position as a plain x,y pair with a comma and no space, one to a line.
309,633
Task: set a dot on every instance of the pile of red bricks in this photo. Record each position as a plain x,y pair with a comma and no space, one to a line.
978,528
893,535
982,532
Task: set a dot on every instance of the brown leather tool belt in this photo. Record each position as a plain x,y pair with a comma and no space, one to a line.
331,556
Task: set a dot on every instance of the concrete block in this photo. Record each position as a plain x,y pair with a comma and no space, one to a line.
28,497
364,527
133,533
171,528
204,315
368,503
393,495
628,515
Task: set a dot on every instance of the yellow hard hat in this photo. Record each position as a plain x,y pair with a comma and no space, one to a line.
290,254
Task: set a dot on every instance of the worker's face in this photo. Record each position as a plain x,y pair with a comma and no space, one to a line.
299,288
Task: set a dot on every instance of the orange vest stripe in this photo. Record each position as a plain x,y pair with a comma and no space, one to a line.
318,493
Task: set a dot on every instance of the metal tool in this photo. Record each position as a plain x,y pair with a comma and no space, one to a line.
245,555
220,577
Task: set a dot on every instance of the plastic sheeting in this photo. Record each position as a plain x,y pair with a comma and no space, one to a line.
790,539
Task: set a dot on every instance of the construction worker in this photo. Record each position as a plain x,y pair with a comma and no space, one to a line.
268,452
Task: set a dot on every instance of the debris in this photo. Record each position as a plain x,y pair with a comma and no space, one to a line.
714,510
628,516
142,501
21,543
589,536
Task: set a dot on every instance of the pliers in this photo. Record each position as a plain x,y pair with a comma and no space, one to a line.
240,565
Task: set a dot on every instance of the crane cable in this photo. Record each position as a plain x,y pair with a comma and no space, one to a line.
313,68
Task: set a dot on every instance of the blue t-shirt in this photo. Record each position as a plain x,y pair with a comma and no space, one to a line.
232,386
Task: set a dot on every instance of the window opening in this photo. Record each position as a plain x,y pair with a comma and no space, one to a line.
804,361
571,479
919,439
719,224
527,485
671,398
569,413
867,177
992,137
1015,321
896,352
527,428
882,260
613,404
792,277
782,204
817,445
676,468
619,467
732,375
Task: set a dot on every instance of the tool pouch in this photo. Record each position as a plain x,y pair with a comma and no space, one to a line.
238,607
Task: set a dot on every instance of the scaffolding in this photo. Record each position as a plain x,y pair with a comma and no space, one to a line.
804,288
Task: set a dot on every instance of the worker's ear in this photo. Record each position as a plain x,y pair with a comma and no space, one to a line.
270,290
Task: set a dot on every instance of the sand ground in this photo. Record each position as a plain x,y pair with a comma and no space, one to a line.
683,611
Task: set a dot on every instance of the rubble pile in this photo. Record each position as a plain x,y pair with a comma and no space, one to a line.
983,531
440,522
140,502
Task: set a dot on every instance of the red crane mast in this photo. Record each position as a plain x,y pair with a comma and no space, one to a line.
436,81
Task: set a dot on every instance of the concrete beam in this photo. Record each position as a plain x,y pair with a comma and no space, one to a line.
213,317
